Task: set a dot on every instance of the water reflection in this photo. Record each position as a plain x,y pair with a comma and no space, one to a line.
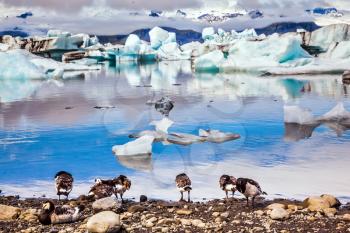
50,126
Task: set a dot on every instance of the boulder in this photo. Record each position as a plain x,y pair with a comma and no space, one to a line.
333,201
9,212
104,222
279,213
198,223
108,203
276,205
143,198
330,212
316,204
346,217
184,212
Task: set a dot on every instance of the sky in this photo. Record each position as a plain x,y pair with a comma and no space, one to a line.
110,17
69,6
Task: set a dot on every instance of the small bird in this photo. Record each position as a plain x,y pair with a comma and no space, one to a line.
64,183
56,215
101,190
249,188
183,184
228,184
164,105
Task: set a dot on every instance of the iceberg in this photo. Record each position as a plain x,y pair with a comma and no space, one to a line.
210,62
162,125
296,114
132,44
15,64
172,52
140,146
157,37
217,136
184,139
338,113
208,33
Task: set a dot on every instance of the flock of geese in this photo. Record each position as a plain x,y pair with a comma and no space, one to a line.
51,214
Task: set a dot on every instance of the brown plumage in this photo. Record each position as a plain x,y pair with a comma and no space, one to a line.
228,183
63,183
105,188
100,190
183,184
249,188
56,215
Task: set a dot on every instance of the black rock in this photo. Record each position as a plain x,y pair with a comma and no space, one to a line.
143,198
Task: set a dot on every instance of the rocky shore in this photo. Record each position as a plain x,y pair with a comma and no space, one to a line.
315,214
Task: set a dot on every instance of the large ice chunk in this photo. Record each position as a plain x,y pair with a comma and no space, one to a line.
208,33
132,44
157,37
162,125
172,52
140,146
210,62
336,114
15,64
296,114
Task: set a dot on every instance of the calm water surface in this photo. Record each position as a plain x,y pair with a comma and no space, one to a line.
50,126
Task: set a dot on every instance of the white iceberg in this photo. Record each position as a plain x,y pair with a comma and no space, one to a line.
132,44
184,139
208,33
338,113
15,64
140,146
172,52
217,136
157,37
210,62
296,114
162,125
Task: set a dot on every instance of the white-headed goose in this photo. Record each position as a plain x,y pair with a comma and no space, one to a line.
228,184
183,184
249,188
56,215
63,183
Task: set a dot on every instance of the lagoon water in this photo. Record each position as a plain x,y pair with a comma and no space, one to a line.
47,126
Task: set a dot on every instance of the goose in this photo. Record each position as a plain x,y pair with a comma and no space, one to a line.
63,183
119,185
249,188
183,184
228,184
56,215
164,105
140,146
217,136
101,189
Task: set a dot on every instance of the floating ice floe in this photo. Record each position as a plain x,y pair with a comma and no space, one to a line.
217,136
338,113
210,62
296,114
161,130
140,146
184,139
21,64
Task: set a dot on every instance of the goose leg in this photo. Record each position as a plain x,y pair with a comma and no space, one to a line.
247,201
59,197
233,193
182,196
189,199
121,197
226,194
253,202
